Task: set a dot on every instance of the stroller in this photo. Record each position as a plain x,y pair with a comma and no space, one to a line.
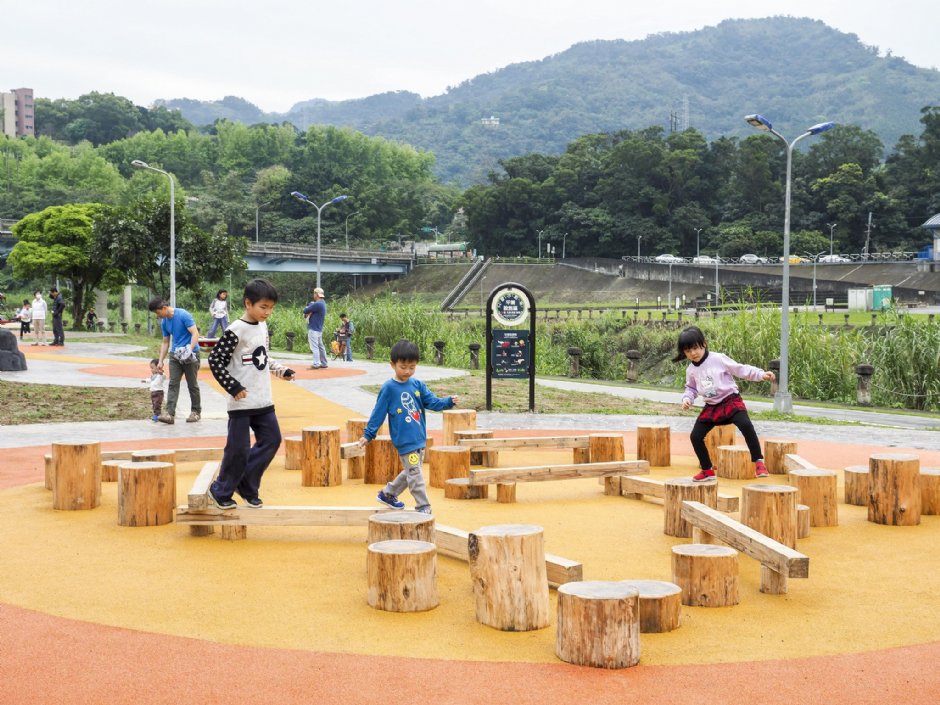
338,345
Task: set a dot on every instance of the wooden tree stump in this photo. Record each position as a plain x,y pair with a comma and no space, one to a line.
734,463
856,485
382,463
506,492
356,467
894,489
707,574
679,489
510,583
155,455
652,444
817,490
402,576
146,493
486,458
607,447
50,471
293,452
401,526
719,436
234,532
598,624
321,465
447,463
460,488
77,478
771,510
802,521
457,420
774,452
660,605
930,490
109,470
581,455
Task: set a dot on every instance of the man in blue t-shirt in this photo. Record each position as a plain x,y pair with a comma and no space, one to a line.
315,313
181,345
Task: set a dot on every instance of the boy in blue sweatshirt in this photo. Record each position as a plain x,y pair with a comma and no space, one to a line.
403,400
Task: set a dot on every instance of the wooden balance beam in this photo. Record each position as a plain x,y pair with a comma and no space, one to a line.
792,461
485,444
778,562
543,473
453,542
278,516
638,487
183,455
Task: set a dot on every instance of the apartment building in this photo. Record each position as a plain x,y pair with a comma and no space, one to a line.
16,108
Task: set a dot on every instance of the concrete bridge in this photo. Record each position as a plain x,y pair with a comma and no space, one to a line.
280,257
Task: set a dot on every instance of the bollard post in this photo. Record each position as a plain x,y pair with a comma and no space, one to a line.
474,356
574,362
874,319
137,328
863,390
101,326
439,352
635,316
649,316
370,346
680,318
633,371
820,319
774,367
930,318
111,326
845,317
124,327
290,340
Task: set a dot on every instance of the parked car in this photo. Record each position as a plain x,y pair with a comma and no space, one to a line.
668,259
704,259
834,259
751,259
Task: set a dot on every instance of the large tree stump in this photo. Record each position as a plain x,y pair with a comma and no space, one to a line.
460,488
719,436
77,478
707,574
734,463
321,466
109,470
604,448
447,463
679,489
401,526
457,420
598,624
652,444
510,583
894,489
50,471
146,493
382,461
771,510
930,490
486,458
856,485
817,489
660,605
356,467
402,576
293,452
802,521
774,452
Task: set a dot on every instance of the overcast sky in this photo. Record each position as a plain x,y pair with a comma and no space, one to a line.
278,53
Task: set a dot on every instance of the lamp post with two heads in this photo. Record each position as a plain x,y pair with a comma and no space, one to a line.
138,164
301,197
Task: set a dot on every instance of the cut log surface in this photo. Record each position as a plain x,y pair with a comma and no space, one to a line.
817,490
77,478
109,470
894,496
775,450
146,493
402,576
158,455
734,463
930,490
660,605
653,444
598,624
706,573
457,420
320,461
293,452
771,510
382,463
447,462
678,490
404,526
856,485
719,436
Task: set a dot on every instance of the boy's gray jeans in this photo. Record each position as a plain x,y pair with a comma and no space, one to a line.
412,478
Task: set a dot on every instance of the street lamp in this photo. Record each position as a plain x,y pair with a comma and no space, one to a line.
832,226
258,207
638,238
698,233
783,401
300,197
540,243
138,164
815,260
347,227
563,238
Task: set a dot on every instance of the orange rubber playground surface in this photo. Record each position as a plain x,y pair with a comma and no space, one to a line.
91,612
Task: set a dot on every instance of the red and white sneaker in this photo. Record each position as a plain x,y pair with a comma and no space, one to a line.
760,470
704,475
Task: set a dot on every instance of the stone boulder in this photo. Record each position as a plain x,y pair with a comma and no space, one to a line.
11,359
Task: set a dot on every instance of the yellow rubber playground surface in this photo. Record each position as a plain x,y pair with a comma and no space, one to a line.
94,612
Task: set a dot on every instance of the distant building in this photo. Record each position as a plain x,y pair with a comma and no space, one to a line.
490,121
16,108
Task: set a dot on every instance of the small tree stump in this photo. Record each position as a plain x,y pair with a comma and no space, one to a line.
457,420
234,532
50,471
109,470
382,463
774,452
401,526
734,463
77,477
607,447
146,493
930,490
802,521
506,492
771,510
598,624
402,576
487,458
719,436
356,467
660,605
510,582
707,574
446,463
894,489
460,488
321,466
652,444
293,452
580,455
155,455
817,490
679,489
856,485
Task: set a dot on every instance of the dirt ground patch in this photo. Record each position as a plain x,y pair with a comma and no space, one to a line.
36,403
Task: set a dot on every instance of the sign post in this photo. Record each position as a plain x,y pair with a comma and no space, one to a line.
510,350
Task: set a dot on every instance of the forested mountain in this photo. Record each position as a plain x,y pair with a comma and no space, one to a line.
794,71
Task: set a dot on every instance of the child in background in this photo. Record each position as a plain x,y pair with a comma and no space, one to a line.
711,374
344,335
157,383
219,310
24,316
403,400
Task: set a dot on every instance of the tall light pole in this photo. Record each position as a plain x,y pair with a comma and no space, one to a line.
638,238
698,233
137,164
563,239
832,227
300,197
540,243
815,260
347,227
783,401
258,207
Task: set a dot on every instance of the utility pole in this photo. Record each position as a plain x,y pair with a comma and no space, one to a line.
867,236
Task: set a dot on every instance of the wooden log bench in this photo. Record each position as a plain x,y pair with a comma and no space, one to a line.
598,624
778,562
402,575
639,487
660,605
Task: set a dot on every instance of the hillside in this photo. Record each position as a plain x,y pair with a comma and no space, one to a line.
795,71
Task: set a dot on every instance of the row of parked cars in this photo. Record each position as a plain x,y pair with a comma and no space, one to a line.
748,259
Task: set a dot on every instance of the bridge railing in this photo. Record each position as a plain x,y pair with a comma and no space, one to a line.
275,249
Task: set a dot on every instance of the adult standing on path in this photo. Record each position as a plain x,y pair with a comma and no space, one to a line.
58,307
39,318
315,312
181,344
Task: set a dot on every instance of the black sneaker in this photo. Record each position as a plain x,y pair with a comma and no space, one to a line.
254,502
222,503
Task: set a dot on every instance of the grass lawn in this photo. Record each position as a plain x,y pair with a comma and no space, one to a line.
50,403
